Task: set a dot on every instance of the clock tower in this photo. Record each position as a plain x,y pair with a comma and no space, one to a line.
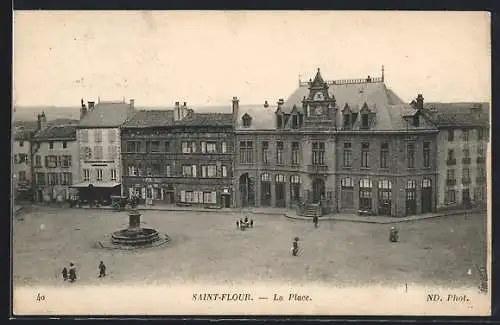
319,104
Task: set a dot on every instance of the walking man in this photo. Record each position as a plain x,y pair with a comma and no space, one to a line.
315,221
102,270
295,246
72,272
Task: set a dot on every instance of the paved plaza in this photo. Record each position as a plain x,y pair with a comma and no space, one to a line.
207,247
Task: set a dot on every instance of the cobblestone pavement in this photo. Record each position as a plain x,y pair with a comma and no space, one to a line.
209,248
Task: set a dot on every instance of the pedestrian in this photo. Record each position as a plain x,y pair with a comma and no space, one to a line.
72,272
246,219
393,235
295,246
315,220
237,224
65,273
102,269
251,223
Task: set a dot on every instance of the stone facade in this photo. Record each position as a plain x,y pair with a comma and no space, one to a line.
184,158
338,160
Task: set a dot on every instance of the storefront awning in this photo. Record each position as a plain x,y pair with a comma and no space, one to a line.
102,185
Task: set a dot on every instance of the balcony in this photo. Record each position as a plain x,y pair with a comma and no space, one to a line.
466,181
451,162
480,160
317,169
466,161
451,182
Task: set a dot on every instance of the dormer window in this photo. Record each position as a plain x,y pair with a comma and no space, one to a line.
347,120
279,121
364,121
416,120
247,120
295,121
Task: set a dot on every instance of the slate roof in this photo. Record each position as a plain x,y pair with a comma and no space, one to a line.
206,119
150,118
459,114
107,114
389,108
56,132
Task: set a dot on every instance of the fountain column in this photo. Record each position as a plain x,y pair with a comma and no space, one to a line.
134,219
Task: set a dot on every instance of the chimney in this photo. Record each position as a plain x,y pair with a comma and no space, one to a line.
39,122
266,105
420,101
184,110
91,105
43,121
236,109
132,102
83,110
280,102
177,112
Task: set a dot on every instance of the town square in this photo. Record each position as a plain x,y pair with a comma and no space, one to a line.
208,247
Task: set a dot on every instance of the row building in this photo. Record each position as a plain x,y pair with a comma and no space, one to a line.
343,145
178,156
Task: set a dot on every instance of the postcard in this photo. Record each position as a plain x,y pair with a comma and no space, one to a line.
251,163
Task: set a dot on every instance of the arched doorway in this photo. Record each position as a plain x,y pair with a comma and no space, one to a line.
426,195
247,193
318,190
384,197
411,197
265,190
280,191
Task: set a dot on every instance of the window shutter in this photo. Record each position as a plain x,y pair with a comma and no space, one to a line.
183,196
194,170
161,193
214,197
203,147
130,192
143,192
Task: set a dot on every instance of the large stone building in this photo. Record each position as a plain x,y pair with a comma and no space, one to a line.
55,162
345,145
98,138
178,156
463,143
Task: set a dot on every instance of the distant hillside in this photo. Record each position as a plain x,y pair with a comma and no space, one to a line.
29,113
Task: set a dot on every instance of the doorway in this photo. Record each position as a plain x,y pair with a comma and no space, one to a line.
426,195
318,190
226,200
246,189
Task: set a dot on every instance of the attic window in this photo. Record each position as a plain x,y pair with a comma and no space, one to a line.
295,121
416,120
279,121
247,120
347,121
301,120
364,121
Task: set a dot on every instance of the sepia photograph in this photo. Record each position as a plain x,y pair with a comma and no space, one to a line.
251,163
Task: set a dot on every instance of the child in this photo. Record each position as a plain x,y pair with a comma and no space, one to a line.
102,270
65,273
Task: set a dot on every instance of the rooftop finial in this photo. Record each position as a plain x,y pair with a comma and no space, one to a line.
382,73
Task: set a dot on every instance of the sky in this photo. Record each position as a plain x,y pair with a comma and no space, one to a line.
206,58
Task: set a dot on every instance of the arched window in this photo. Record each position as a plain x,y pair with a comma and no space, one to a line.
295,189
347,182
426,183
280,178
265,177
411,184
295,179
385,184
365,183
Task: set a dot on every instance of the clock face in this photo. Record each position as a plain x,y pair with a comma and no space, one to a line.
318,96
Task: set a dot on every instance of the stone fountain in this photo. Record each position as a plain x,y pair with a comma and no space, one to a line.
134,236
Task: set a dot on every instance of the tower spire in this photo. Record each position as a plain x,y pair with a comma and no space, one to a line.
382,73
